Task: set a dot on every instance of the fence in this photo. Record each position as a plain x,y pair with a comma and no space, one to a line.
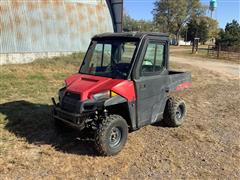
216,52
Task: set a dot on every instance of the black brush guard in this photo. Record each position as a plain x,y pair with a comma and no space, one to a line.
75,120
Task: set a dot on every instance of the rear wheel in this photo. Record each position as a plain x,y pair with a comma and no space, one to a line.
111,135
175,112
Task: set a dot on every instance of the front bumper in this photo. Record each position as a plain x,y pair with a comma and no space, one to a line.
75,120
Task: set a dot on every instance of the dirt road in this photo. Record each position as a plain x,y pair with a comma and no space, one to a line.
207,146
230,70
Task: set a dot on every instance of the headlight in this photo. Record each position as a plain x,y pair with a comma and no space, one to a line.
61,94
112,94
104,95
101,96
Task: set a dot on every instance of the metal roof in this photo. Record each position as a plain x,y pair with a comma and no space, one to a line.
51,25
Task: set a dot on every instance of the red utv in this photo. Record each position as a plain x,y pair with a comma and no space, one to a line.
122,85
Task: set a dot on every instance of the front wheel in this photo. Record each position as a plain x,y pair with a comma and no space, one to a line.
175,112
111,135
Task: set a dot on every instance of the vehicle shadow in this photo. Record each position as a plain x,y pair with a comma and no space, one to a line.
34,123
160,124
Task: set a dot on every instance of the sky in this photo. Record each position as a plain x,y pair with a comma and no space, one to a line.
226,10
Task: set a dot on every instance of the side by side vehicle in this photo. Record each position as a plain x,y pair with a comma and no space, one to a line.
123,84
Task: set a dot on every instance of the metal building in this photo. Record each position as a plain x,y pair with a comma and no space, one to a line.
39,28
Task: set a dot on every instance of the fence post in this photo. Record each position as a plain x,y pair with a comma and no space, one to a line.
193,47
218,51
229,53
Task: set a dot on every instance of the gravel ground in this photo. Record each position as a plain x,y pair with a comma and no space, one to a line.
231,70
207,146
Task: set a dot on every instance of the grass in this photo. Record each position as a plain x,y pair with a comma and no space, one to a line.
183,51
36,81
188,52
25,104
30,148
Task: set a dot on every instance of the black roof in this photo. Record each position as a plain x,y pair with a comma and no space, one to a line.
138,35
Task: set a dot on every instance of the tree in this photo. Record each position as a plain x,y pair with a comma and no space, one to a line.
202,27
212,24
230,37
203,31
130,24
197,29
171,15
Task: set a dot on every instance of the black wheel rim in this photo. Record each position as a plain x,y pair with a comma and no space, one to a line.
115,137
180,112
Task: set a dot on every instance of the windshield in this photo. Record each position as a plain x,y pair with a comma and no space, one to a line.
109,58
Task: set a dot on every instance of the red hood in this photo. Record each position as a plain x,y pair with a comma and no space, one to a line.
85,85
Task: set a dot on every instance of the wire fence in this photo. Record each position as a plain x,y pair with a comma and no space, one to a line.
216,52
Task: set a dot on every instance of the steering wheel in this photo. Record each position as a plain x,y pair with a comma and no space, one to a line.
113,68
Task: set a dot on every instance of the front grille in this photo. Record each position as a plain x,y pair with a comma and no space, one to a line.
71,102
75,119
72,95
66,117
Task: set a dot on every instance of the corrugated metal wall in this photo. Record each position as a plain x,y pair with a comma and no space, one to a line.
51,25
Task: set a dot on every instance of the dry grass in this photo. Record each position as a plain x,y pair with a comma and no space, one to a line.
206,147
39,79
25,98
186,51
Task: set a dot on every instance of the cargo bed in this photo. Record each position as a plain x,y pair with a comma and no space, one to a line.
178,80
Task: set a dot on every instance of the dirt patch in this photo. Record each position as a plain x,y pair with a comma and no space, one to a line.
231,70
207,146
